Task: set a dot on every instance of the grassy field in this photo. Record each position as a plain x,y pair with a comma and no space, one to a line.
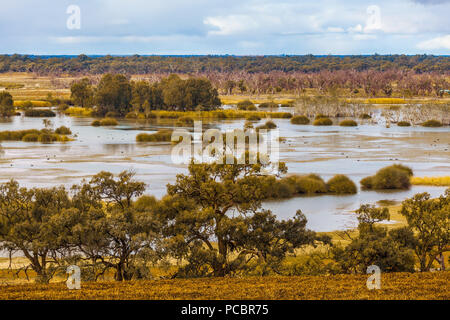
417,286
431,181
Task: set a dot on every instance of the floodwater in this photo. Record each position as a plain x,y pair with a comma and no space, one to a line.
354,151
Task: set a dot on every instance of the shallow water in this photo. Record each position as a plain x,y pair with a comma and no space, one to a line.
356,152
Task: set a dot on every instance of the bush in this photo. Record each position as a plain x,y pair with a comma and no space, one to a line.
341,184
348,123
393,177
300,120
323,122
253,117
268,105
269,125
365,116
404,124
63,130
320,116
46,138
164,135
112,114
30,137
432,123
246,105
39,113
184,121
105,122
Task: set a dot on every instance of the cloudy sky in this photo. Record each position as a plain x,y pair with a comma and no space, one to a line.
225,27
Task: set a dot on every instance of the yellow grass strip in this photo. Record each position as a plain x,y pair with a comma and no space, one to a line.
431,181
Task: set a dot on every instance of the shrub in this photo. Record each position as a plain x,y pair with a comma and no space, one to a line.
393,177
184,121
269,125
320,116
268,105
163,135
281,115
365,116
404,124
63,130
39,113
432,123
341,184
300,120
348,123
108,122
253,117
323,122
46,138
112,114
246,105
105,122
30,137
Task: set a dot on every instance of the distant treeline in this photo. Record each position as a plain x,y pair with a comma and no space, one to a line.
203,64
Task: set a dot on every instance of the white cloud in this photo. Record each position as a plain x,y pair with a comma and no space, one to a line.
436,43
229,25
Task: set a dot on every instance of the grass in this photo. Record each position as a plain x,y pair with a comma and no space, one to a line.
406,286
431,181
34,135
33,103
258,99
386,101
79,111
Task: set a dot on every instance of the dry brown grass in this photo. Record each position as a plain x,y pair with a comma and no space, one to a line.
420,286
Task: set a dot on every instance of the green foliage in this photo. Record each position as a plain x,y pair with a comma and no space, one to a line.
113,93
404,124
82,93
6,104
196,211
429,220
396,176
300,120
375,246
341,184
